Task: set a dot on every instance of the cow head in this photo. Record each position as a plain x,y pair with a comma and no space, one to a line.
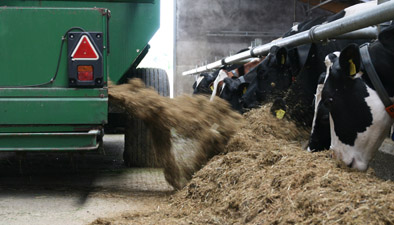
202,85
240,92
272,73
358,120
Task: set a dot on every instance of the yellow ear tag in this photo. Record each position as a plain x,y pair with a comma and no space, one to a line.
211,87
244,91
352,68
283,60
280,113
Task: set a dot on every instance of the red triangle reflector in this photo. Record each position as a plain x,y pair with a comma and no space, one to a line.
84,50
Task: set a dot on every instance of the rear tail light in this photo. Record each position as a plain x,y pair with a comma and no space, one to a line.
85,59
85,73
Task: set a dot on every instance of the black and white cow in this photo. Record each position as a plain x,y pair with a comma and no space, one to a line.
202,84
231,93
358,120
320,135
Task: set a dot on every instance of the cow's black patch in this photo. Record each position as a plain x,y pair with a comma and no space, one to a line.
273,76
332,57
386,39
320,138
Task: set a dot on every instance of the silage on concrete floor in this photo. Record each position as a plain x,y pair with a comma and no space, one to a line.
267,178
186,131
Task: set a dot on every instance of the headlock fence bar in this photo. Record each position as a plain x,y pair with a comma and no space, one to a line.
376,15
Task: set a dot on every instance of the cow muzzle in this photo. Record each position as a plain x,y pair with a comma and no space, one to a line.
350,161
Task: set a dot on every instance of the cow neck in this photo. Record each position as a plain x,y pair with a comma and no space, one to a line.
375,80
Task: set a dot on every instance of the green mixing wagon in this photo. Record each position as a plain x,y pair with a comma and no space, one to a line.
56,60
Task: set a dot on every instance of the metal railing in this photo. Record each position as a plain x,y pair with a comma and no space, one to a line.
376,15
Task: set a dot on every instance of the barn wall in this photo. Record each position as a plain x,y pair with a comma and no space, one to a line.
201,24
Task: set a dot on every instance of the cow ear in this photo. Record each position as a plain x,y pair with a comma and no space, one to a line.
386,37
349,59
281,56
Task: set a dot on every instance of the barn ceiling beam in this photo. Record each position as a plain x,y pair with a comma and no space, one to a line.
375,15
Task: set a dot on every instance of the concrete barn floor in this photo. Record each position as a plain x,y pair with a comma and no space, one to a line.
53,191
383,162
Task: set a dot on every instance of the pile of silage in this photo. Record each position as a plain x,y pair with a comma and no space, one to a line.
186,131
266,178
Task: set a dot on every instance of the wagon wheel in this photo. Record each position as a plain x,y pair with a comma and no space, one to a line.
138,149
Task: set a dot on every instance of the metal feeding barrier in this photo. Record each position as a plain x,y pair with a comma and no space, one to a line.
347,27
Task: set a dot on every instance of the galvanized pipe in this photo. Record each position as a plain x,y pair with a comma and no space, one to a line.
244,61
365,33
378,14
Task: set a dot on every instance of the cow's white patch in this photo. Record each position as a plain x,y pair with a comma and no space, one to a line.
367,142
222,74
199,79
357,75
329,63
295,28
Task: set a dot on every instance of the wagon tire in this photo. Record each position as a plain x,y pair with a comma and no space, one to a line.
138,147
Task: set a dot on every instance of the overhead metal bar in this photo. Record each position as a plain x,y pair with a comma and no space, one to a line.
378,14
365,33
